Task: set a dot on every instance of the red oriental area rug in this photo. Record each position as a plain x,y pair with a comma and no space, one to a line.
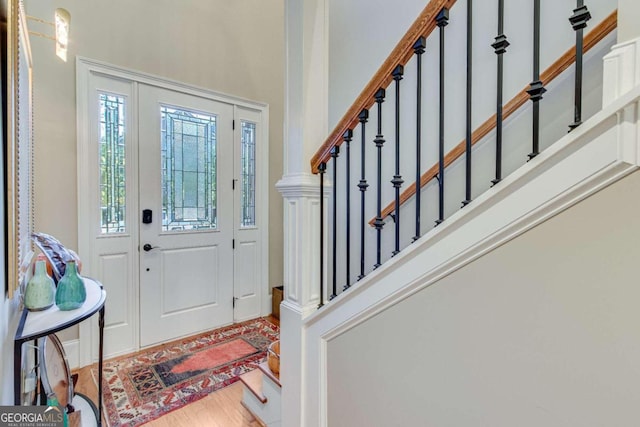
141,388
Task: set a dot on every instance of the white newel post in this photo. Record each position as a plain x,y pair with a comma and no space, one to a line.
305,130
621,74
621,71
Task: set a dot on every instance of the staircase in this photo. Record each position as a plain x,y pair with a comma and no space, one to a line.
474,297
261,395
394,133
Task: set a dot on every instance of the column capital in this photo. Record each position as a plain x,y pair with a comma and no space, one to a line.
302,184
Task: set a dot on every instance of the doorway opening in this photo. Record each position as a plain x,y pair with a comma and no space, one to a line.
172,206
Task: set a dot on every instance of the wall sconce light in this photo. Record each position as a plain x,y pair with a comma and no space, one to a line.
62,21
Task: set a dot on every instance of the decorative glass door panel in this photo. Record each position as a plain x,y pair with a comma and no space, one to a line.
248,174
189,178
112,153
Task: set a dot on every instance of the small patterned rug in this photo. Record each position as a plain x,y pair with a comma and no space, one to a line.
138,389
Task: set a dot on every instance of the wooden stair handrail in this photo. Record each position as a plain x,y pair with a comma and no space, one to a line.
599,32
400,55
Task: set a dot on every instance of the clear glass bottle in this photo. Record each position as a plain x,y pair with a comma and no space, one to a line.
40,291
71,292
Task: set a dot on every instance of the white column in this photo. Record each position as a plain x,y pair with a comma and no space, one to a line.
305,129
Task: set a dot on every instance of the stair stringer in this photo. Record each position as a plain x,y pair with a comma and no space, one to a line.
602,151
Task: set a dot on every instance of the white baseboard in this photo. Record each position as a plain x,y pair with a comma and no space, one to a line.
266,305
72,350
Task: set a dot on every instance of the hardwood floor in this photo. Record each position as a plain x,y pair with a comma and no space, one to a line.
222,408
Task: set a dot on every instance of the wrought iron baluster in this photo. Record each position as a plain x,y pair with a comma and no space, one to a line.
536,89
500,47
335,152
379,141
467,191
397,178
347,136
322,169
442,20
362,185
418,48
579,22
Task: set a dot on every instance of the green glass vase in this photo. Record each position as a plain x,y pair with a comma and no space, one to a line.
40,291
71,292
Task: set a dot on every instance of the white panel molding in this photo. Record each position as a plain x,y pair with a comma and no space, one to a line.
301,193
301,281
600,152
621,70
72,350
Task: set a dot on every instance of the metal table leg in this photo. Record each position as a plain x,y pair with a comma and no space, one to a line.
101,347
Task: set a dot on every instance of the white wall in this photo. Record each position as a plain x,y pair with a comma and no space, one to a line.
540,331
229,47
362,33
628,18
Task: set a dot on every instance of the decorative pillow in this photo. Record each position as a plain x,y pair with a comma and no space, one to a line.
55,252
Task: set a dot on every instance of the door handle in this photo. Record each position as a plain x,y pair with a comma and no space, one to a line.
147,247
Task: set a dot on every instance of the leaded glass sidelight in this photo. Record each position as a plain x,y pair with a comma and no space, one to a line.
113,192
248,174
188,141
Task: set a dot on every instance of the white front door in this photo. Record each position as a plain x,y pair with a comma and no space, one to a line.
172,206
186,203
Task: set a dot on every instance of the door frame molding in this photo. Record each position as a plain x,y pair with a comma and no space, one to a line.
85,67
